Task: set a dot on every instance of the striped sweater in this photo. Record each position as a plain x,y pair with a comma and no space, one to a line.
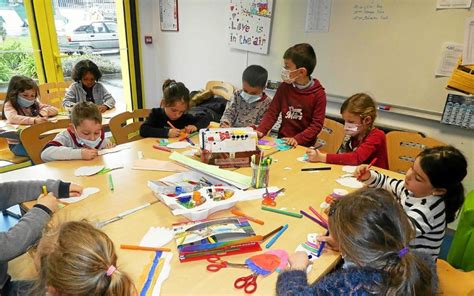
427,213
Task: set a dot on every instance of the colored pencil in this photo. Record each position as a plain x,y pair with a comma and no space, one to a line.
296,215
313,219
140,248
111,183
320,217
162,148
316,169
240,214
273,240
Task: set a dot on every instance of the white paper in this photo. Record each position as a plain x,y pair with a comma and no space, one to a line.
113,150
350,182
157,237
452,4
349,169
164,274
303,158
190,152
5,163
468,52
449,58
318,14
178,145
86,192
88,170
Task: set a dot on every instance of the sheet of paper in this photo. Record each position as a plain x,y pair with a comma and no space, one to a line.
88,170
113,150
318,14
190,152
350,182
178,145
5,163
157,165
86,192
157,237
349,169
450,54
468,51
303,158
452,4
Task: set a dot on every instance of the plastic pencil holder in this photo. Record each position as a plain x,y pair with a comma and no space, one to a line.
260,176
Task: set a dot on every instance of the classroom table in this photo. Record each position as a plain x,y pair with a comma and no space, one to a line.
302,190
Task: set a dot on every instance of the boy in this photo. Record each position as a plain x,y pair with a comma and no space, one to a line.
248,105
301,99
82,139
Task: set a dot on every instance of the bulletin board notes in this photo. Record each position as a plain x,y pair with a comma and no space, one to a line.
169,15
249,24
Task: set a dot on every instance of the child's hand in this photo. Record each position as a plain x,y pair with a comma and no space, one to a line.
224,124
173,133
43,113
40,120
109,145
299,260
362,173
50,201
330,242
102,108
190,129
260,134
291,141
75,190
88,153
314,155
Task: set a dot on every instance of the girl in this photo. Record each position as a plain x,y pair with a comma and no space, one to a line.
363,142
168,120
78,259
373,233
431,193
86,87
23,107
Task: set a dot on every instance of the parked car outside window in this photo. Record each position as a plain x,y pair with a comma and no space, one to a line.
94,36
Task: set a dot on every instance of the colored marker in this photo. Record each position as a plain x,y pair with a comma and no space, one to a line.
189,141
321,218
141,248
314,219
266,236
296,215
273,240
321,246
111,183
211,240
316,169
45,191
162,148
368,167
240,214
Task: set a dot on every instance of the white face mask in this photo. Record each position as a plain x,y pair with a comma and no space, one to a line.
250,98
285,76
88,143
351,129
24,102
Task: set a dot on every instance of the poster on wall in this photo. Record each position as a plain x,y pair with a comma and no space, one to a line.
169,15
249,24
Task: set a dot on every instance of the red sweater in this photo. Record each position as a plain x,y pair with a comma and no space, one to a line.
373,145
303,112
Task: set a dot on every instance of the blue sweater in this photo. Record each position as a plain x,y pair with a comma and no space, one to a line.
352,281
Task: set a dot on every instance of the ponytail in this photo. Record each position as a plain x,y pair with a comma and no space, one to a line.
120,284
175,92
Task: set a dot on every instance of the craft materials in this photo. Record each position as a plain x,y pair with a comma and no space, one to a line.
189,141
351,182
239,213
85,194
322,224
266,236
281,145
368,167
217,264
320,217
124,214
45,191
273,240
151,274
260,171
296,215
111,183
171,125
321,246
178,145
157,165
108,170
316,169
88,170
140,248
248,283
311,246
113,150
161,148
283,255
157,237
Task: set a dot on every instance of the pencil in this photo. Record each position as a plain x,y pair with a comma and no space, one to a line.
45,191
273,240
316,169
111,183
169,123
296,215
140,248
240,214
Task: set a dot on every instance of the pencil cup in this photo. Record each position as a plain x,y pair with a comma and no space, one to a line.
260,176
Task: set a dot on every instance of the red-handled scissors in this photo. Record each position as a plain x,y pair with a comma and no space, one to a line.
248,283
217,264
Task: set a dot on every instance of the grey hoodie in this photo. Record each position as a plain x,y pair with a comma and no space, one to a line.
76,94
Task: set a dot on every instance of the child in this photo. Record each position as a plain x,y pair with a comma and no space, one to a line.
431,193
248,105
78,259
301,99
86,87
175,103
22,107
82,139
23,235
363,142
372,232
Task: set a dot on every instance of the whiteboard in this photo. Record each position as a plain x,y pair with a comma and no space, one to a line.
391,53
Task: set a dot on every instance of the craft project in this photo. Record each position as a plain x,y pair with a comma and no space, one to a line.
336,194
154,274
88,170
349,169
178,145
303,158
281,145
85,194
157,165
350,182
157,237
113,150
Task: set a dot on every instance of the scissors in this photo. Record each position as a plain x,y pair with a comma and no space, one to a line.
248,283
217,264
269,198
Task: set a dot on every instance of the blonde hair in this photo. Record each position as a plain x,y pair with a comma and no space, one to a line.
361,104
74,260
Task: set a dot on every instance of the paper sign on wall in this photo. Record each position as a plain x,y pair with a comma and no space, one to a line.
249,24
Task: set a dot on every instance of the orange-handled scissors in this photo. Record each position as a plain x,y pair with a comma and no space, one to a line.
248,283
217,264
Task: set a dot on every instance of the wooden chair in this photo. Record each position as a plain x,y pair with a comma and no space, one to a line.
403,147
52,93
331,136
124,132
454,281
35,137
2,101
221,88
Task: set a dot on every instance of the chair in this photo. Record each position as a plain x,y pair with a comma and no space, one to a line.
2,101
221,88
403,147
124,132
35,137
454,281
52,93
331,136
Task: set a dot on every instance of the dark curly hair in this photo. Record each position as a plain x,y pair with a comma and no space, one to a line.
84,66
174,92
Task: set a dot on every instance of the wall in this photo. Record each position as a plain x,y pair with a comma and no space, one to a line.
199,52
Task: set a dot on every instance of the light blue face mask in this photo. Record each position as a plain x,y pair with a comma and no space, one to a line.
88,143
250,98
23,102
